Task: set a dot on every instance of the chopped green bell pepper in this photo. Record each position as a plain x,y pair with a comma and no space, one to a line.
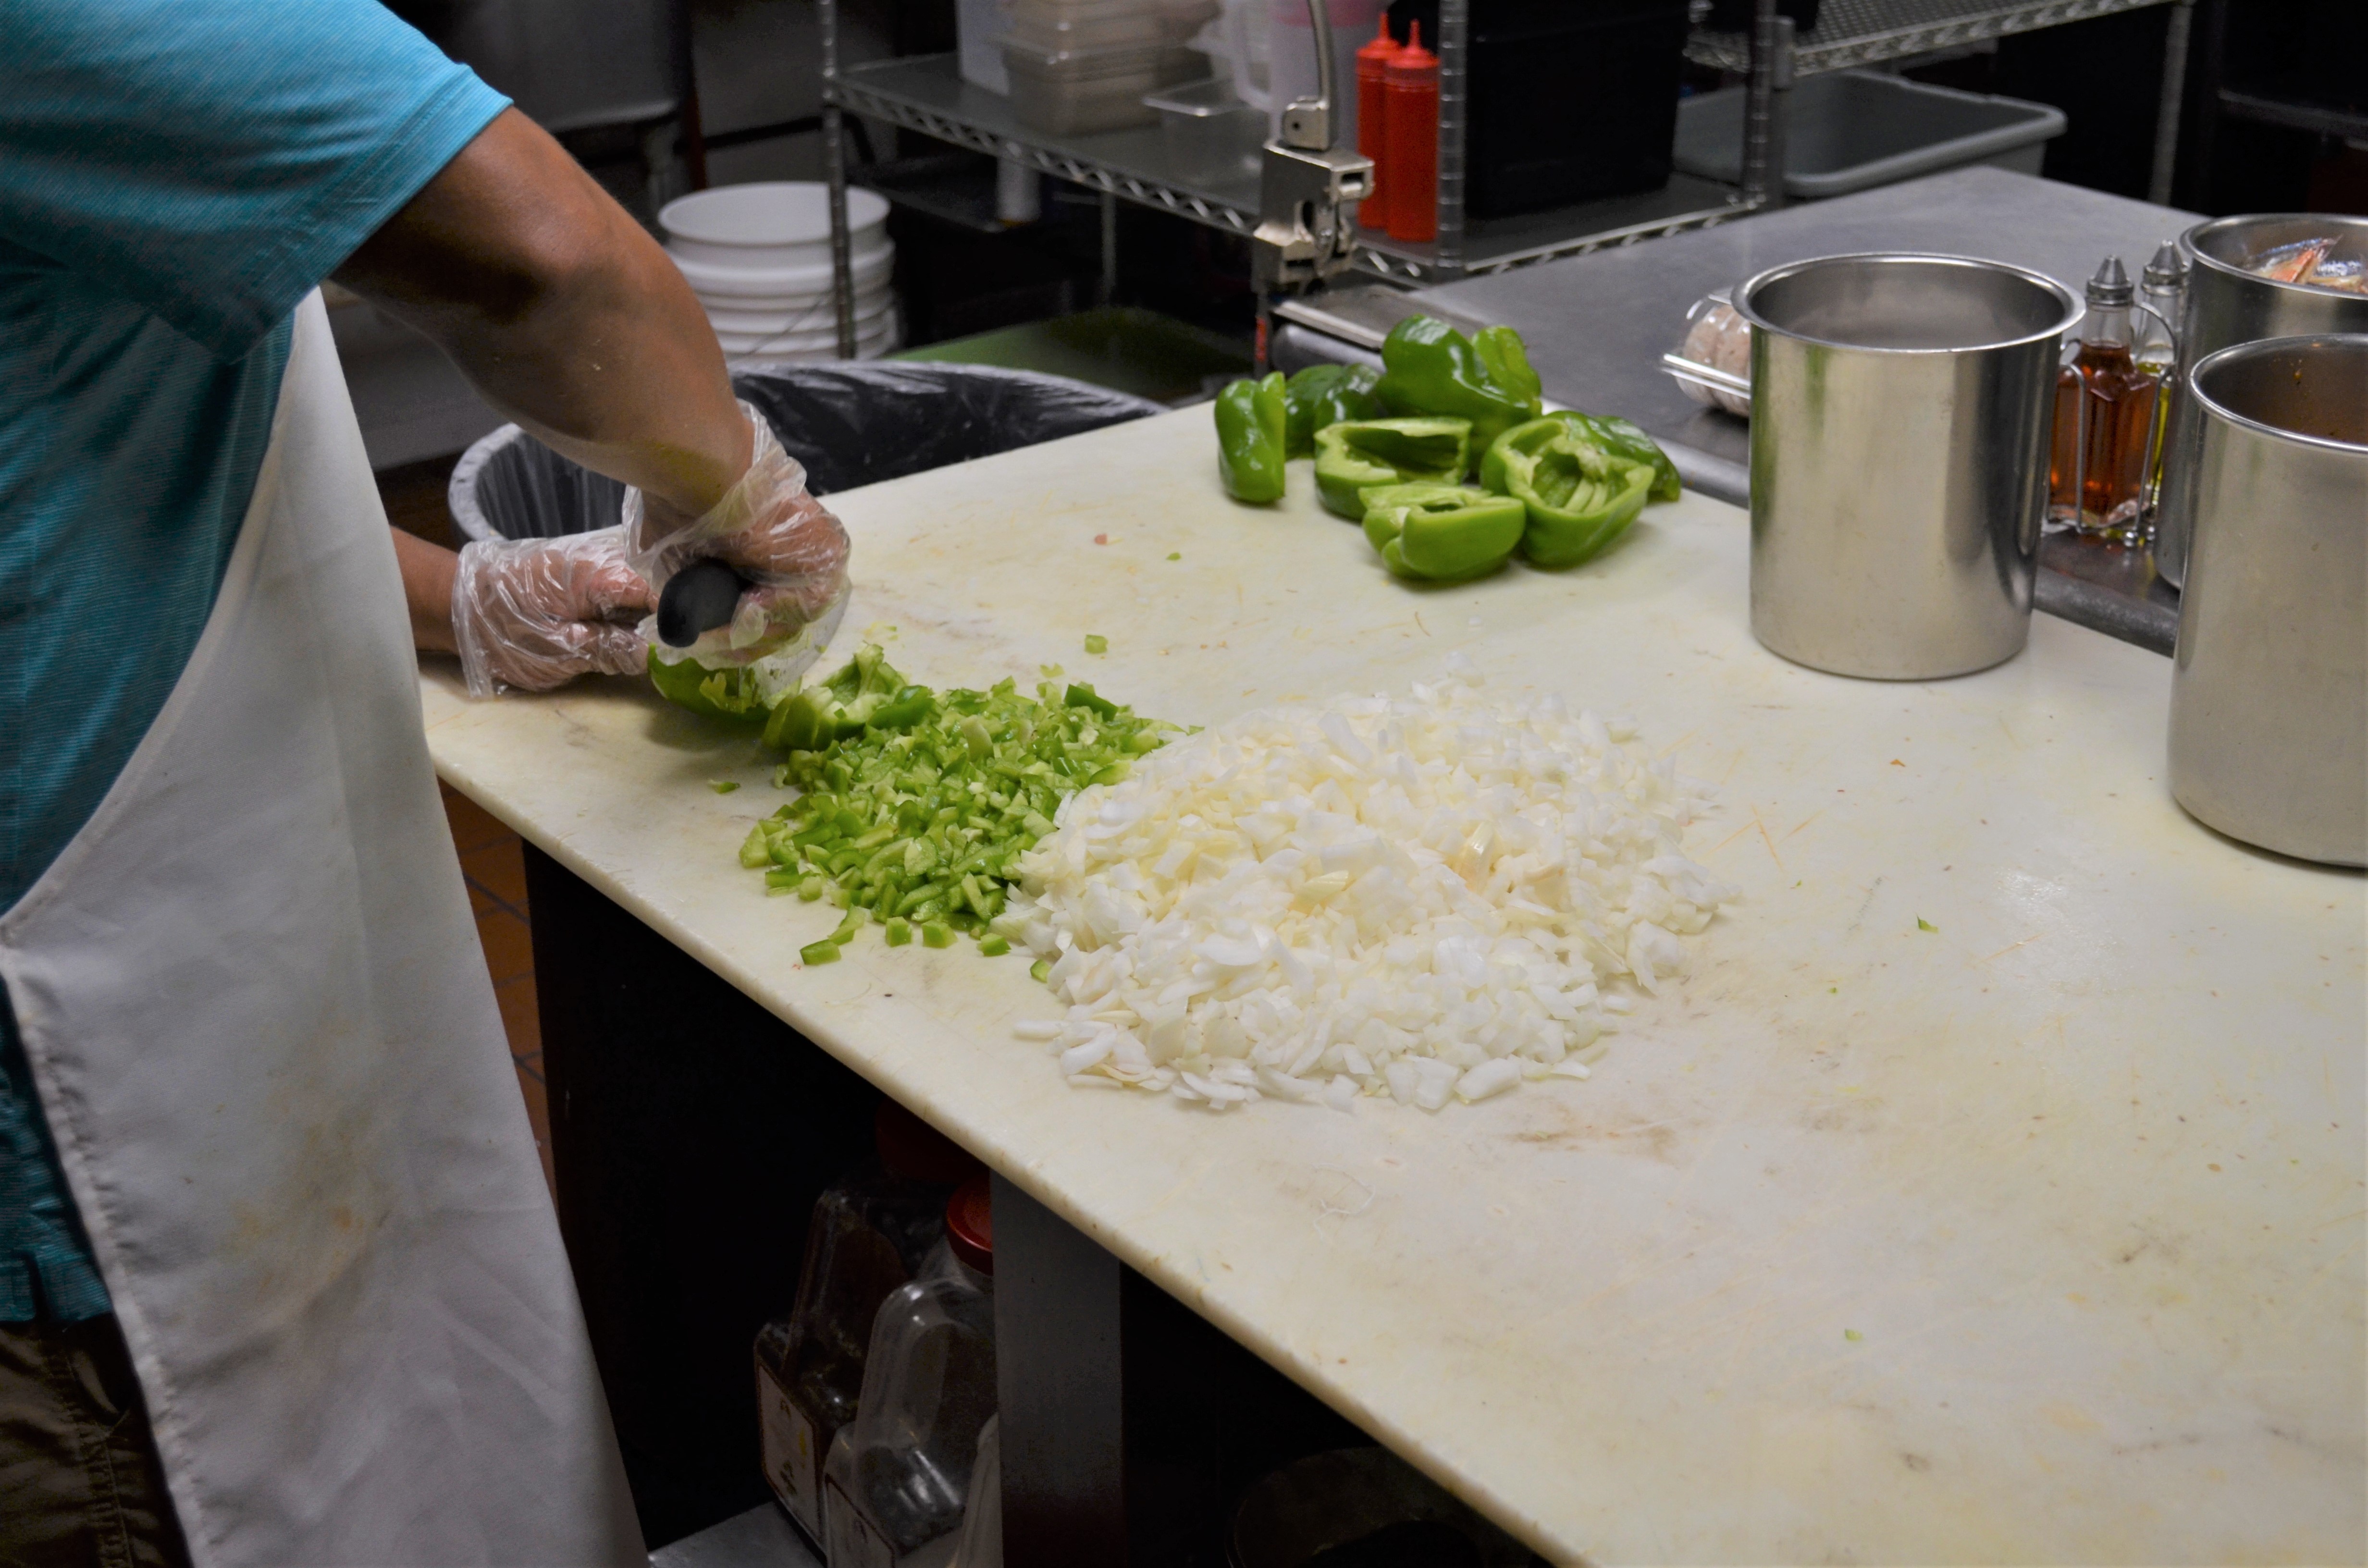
1578,496
1324,396
1430,367
1353,457
813,717
1251,431
1444,533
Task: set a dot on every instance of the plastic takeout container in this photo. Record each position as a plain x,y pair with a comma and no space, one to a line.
1051,27
1078,92
1850,131
767,223
1212,137
1712,363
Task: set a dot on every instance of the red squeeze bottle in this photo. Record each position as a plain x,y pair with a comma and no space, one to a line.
1412,111
1372,121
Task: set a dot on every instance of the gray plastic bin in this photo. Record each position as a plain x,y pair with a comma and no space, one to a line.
1852,130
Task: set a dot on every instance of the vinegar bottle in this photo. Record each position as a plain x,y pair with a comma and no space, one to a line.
2162,289
1372,121
1411,108
2103,435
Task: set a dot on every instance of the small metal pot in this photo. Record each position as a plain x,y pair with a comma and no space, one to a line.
2268,691
1899,420
2227,305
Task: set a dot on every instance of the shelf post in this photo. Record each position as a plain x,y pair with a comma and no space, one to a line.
1765,103
1453,44
2167,112
1106,288
834,163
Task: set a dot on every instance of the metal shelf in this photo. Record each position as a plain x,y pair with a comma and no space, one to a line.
926,93
1863,32
2295,114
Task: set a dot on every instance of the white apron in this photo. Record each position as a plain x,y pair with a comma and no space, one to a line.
262,1029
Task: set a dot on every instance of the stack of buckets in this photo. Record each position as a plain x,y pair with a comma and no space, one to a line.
759,257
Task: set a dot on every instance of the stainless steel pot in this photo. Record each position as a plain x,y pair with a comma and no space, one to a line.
2268,691
2227,305
1899,419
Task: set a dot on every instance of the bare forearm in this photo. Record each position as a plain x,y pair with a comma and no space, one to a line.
426,591
564,313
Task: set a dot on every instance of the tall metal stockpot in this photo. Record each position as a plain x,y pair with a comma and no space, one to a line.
2228,305
1899,419
2268,695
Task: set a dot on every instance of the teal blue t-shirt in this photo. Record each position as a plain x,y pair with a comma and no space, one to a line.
176,175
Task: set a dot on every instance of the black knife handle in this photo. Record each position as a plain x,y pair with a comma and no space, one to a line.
698,599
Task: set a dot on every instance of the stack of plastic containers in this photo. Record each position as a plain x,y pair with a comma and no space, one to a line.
1080,66
759,257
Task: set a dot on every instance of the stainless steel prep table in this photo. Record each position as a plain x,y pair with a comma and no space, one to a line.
1598,324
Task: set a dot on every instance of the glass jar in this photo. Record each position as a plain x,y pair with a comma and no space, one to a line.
871,1231
898,1475
2105,431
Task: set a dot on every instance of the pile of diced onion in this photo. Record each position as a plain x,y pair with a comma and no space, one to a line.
1430,897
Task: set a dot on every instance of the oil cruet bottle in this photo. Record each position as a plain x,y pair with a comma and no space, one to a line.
898,1476
2162,289
2105,396
871,1231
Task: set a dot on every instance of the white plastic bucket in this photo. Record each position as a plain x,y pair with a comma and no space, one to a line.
766,223
709,281
815,316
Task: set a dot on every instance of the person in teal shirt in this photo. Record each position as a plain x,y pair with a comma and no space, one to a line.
176,177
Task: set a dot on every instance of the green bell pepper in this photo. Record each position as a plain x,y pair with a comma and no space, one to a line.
1430,367
1443,533
730,695
1252,427
1578,496
869,688
1324,396
1622,438
1358,454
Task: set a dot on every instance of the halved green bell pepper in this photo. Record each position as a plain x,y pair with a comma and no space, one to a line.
1443,533
1623,438
730,695
868,688
1324,396
1252,427
1430,367
1578,496
1358,454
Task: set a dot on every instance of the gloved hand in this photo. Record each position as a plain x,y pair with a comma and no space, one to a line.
535,613
769,529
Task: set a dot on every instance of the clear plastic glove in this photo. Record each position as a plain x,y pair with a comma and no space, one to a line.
770,531
535,613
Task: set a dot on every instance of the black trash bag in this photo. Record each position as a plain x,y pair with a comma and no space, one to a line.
849,423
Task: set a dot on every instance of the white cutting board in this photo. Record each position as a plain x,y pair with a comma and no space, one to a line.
2035,1236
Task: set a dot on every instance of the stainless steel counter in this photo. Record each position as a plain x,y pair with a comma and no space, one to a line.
1596,325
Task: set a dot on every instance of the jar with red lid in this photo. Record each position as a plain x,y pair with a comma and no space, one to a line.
872,1230
898,1475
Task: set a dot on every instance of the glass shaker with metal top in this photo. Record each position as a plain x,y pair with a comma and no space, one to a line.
2106,394
2162,289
